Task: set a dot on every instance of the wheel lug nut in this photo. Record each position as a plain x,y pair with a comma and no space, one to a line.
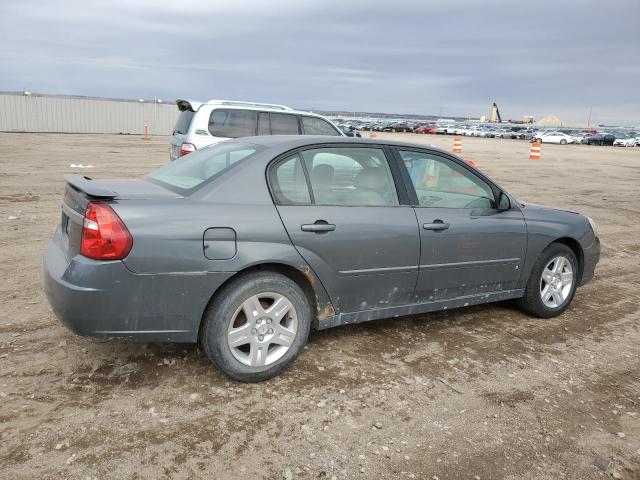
261,337
270,332
268,320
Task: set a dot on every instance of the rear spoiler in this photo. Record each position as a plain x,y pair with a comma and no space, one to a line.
86,185
188,105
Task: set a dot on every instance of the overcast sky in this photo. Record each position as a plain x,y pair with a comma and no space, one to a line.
446,57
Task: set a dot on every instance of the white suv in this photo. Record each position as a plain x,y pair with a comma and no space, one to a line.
203,124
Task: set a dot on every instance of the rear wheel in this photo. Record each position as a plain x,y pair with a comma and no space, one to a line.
563,142
552,283
256,326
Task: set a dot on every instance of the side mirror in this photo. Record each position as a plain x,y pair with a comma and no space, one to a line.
503,202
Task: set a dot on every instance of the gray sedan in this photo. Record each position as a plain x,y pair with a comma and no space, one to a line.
247,245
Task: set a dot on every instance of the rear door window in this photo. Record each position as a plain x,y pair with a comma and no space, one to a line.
232,123
289,182
284,124
318,126
350,177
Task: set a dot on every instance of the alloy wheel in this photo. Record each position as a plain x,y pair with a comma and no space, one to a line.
262,329
556,282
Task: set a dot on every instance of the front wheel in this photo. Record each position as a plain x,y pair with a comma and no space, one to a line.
563,142
552,283
256,326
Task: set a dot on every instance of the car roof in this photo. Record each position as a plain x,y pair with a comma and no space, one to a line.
289,142
186,104
256,108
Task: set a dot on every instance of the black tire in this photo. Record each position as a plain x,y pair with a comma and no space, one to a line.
532,302
563,142
221,311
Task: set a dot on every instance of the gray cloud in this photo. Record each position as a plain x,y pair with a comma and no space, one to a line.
535,58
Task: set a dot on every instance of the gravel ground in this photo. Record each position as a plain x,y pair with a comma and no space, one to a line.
484,392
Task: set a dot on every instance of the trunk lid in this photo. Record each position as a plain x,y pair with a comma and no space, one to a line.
81,190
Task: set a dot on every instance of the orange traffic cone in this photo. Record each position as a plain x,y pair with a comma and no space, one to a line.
373,135
457,144
472,163
535,151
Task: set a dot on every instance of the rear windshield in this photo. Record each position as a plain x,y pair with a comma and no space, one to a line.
194,170
183,122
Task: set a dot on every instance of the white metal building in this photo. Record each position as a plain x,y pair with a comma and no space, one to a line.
26,112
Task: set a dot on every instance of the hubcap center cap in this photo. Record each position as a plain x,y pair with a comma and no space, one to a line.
263,328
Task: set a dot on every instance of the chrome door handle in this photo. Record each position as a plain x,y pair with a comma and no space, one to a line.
318,227
436,225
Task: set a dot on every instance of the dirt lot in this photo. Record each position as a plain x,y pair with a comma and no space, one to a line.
483,392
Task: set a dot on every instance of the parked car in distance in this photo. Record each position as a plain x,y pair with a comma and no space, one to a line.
473,131
427,130
555,137
600,139
349,130
486,132
444,129
203,124
625,141
578,137
529,134
246,245
398,127
502,133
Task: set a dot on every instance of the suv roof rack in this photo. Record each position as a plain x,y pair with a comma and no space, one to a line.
233,103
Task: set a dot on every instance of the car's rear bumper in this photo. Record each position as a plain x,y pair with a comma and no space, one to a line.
591,257
105,299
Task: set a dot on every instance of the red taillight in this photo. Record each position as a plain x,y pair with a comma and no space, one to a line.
187,148
104,236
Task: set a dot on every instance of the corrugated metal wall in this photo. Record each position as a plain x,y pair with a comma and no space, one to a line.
30,113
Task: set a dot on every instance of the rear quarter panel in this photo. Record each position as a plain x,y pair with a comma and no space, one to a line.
168,234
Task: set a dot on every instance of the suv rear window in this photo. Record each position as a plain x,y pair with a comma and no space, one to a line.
183,122
232,123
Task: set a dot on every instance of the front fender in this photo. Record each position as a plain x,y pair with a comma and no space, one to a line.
546,225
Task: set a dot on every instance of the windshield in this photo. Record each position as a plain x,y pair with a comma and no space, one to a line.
192,171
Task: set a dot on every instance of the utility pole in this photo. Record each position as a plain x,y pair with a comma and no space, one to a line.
589,121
